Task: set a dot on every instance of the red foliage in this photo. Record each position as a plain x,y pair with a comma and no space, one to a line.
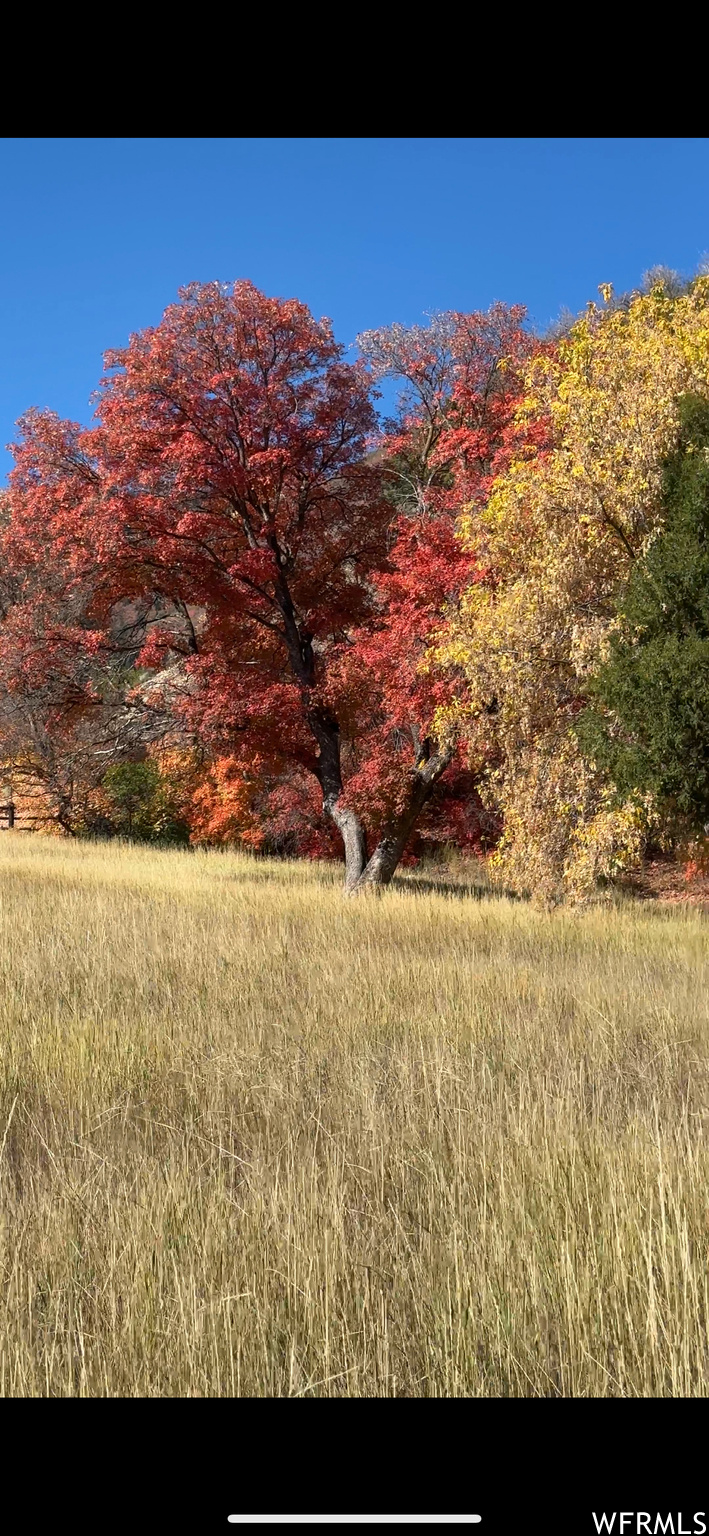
462,379
226,493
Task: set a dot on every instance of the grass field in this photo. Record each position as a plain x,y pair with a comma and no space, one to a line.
259,1139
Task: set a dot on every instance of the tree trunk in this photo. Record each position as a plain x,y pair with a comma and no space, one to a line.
329,773
326,731
353,836
396,834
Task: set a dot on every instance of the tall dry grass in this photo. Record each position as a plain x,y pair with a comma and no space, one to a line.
258,1139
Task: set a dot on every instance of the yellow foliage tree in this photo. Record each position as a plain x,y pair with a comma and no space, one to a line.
560,531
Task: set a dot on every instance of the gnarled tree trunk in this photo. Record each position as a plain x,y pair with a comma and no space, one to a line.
353,836
329,773
422,781
325,729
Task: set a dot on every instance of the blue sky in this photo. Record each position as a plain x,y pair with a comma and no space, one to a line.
97,235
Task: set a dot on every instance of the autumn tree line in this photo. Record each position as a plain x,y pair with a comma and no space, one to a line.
237,608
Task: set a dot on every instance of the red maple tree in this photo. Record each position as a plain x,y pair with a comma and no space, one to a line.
461,378
282,579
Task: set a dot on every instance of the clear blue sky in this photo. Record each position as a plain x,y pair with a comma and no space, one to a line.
97,235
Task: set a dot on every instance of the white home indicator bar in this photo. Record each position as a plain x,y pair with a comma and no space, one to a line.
355,1519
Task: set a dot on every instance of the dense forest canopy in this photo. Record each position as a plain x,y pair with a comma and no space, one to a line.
237,608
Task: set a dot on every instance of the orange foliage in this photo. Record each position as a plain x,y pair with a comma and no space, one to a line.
221,806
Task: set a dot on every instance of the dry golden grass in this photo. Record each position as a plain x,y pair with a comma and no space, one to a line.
259,1139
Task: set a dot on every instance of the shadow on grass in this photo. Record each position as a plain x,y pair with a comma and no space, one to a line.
440,885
